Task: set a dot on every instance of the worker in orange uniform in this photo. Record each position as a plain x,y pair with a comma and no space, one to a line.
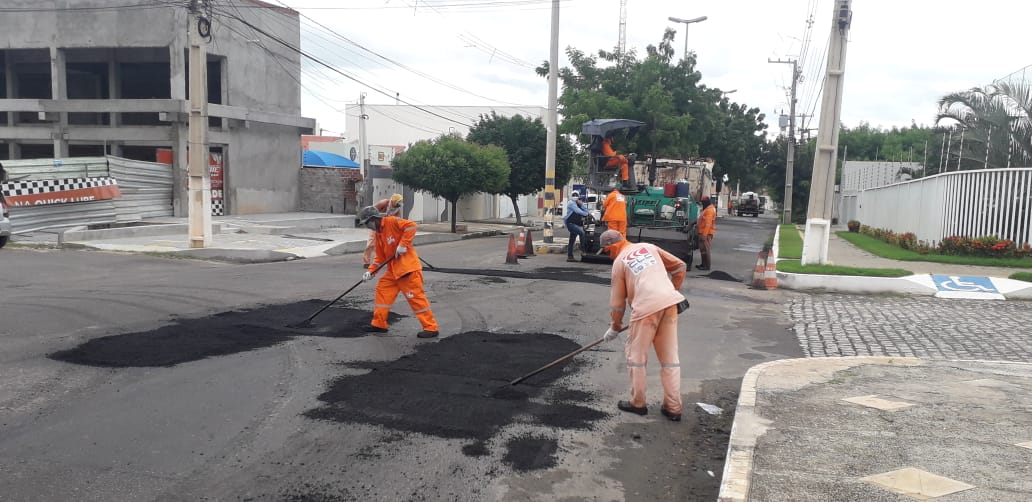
389,207
616,160
614,212
648,278
707,227
404,271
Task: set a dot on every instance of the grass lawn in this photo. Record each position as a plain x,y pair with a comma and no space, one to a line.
886,250
1022,276
790,243
794,267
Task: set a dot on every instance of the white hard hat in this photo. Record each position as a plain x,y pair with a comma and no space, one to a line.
574,194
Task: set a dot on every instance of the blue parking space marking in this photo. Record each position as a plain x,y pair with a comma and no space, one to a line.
964,284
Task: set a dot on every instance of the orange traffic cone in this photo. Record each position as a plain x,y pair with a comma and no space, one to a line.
521,244
510,257
530,245
759,270
770,275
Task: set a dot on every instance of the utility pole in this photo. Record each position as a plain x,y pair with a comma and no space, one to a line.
790,162
822,185
553,119
363,145
199,180
621,43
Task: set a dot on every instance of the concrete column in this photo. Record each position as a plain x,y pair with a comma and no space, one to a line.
13,152
114,85
12,89
59,91
180,131
177,69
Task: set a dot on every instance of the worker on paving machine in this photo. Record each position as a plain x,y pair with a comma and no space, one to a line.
616,160
648,278
393,240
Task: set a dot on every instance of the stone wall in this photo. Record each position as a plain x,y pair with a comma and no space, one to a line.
329,190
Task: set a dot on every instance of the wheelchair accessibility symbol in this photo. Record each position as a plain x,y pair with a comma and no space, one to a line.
954,283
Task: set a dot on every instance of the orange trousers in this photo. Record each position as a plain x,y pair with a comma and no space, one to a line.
411,286
619,226
621,161
658,330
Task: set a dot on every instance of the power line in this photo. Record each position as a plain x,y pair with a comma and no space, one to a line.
341,73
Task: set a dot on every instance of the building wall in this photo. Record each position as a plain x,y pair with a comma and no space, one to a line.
328,190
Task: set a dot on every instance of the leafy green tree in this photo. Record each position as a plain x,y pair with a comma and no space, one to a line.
524,142
450,167
682,117
996,122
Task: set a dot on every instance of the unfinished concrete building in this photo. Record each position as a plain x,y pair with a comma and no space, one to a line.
95,77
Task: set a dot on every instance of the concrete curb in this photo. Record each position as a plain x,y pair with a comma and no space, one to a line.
748,426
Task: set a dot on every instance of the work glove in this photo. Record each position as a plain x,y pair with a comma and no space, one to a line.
682,306
401,250
610,334
367,275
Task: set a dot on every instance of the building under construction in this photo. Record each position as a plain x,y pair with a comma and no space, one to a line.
96,77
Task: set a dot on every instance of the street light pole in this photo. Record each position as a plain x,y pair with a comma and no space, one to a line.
686,23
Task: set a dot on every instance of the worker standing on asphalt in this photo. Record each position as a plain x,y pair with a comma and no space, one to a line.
616,160
614,212
707,227
389,207
648,278
573,217
393,238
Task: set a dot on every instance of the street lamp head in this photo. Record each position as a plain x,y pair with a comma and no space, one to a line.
687,21
731,91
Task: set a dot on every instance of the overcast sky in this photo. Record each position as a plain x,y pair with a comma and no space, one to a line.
902,54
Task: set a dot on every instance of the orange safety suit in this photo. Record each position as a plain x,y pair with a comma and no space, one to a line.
385,206
616,160
648,278
707,228
404,273
614,212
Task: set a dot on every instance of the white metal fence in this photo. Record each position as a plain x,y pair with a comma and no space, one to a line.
996,202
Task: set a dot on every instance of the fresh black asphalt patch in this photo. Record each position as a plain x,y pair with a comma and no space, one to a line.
221,334
439,390
565,274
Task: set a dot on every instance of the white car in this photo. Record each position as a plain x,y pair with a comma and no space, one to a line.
5,222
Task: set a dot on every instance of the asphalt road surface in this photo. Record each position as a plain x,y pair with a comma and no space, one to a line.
129,377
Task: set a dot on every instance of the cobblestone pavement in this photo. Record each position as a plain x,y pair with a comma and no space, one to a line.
832,325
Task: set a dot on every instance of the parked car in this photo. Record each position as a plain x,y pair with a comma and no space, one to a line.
5,222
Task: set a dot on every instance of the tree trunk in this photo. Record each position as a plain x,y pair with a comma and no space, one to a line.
453,215
516,209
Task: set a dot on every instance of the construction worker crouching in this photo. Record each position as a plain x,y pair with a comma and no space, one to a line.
393,247
648,278
389,207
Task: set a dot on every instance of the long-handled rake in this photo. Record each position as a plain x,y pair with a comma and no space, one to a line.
494,392
307,323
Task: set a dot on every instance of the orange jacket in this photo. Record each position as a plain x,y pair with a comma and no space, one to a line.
646,276
708,221
614,208
396,232
607,148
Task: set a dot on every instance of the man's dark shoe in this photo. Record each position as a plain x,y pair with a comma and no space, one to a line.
628,407
374,329
674,417
570,258
700,267
427,334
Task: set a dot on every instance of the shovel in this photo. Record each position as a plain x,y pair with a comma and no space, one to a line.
307,323
549,365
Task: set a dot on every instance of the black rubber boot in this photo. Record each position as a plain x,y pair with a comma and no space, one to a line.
374,329
427,334
674,417
628,407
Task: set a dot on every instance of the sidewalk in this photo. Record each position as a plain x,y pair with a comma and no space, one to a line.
942,280
881,429
250,238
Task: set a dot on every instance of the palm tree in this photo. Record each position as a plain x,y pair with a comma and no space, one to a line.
995,123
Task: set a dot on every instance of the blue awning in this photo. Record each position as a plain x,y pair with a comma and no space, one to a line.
313,158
